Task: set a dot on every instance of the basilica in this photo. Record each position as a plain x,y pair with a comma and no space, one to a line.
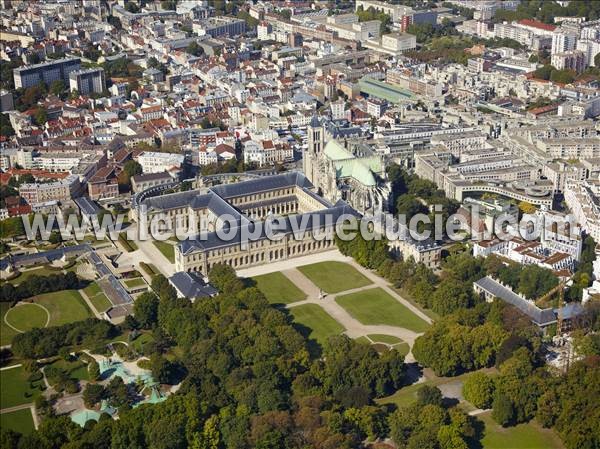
343,168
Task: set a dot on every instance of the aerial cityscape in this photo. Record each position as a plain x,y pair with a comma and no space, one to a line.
330,224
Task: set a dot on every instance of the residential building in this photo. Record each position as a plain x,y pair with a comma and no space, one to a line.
87,81
47,72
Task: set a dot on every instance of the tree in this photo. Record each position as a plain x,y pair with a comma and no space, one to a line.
162,370
145,309
6,128
41,116
562,76
223,277
194,49
93,370
93,394
478,389
503,411
526,207
597,60
168,4
57,87
429,395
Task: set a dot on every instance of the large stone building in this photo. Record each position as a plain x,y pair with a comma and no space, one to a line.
240,210
352,173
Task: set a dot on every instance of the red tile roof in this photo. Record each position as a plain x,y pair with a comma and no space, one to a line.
537,24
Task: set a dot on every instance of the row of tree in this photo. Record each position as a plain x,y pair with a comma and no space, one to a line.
36,285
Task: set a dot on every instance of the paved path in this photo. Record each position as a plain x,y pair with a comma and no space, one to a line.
292,263
354,328
10,367
149,253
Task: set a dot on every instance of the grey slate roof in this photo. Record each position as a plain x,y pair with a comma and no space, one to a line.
263,184
86,205
257,231
191,285
45,256
541,317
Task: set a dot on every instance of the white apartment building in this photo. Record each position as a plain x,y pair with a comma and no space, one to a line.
563,40
154,162
583,199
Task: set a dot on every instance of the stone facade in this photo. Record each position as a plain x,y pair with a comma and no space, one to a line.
241,209
352,173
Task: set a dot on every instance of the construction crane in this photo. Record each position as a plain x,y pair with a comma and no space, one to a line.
560,288
561,298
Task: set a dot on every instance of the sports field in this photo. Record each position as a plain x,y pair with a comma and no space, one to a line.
376,306
278,289
334,277
25,316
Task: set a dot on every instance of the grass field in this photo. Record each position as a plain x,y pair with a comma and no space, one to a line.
279,289
388,339
76,369
26,316
334,277
524,436
135,282
66,306
15,388
19,421
315,323
166,249
6,332
41,271
375,306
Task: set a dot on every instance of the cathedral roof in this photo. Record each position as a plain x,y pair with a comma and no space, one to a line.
357,169
336,152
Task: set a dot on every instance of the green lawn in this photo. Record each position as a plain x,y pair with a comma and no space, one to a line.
166,249
135,282
66,306
76,369
101,302
6,332
407,395
524,436
140,342
19,421
334,277
92,289
315,323
279,289
363,340
41,271
26,316
97,297
16,389
388,339
376,306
